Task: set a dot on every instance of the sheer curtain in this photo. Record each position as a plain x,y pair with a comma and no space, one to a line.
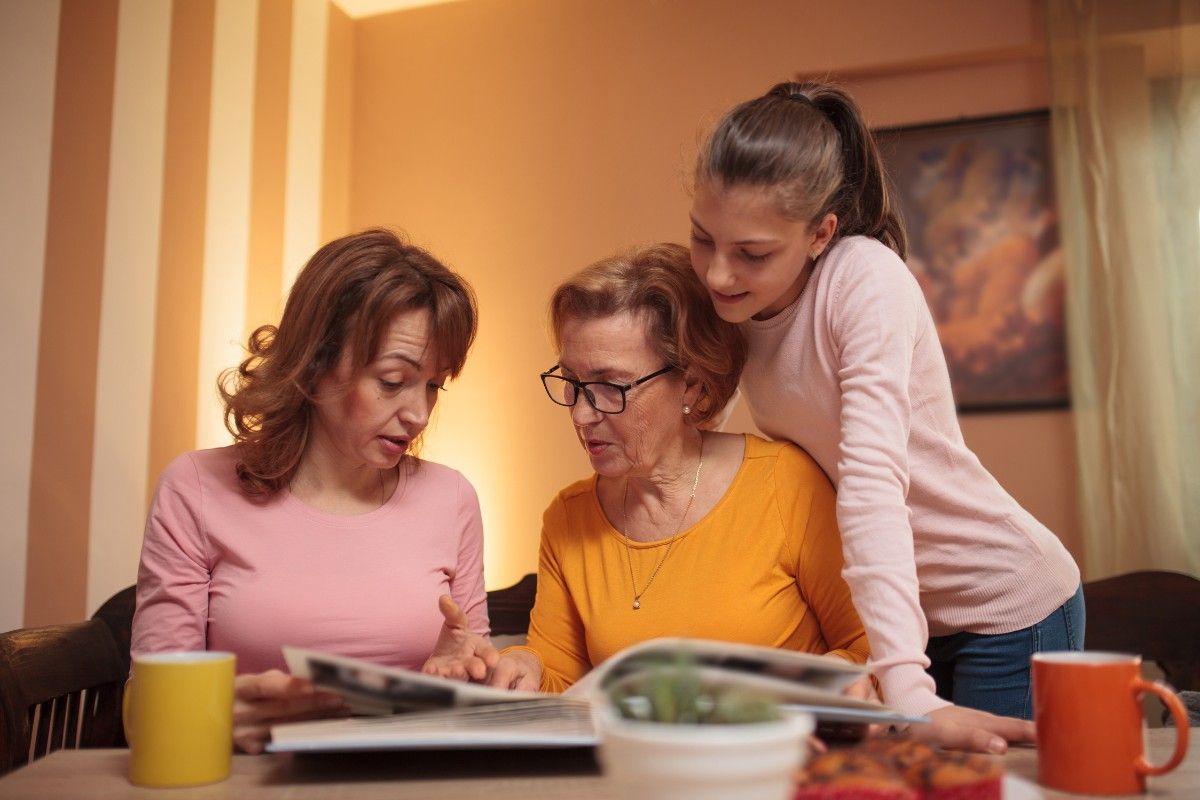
1126,122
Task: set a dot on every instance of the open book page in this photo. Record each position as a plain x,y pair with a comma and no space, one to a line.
768,668
415,711
550,722
800,682
375,689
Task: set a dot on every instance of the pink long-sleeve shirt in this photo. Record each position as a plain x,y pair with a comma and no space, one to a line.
854,373
220,571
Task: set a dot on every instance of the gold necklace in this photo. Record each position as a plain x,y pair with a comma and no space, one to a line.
637,596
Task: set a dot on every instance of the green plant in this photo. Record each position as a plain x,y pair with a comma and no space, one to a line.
681,694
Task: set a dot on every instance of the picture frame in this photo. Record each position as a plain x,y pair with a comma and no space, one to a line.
978,201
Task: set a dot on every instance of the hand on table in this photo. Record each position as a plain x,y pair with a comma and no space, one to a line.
961,728
459,653
267,698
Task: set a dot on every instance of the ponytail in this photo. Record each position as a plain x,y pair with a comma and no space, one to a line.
809,144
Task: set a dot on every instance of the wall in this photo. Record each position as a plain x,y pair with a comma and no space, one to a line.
27,71
163,184
522,140
170,165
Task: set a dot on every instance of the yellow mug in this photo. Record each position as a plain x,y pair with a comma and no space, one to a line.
179,718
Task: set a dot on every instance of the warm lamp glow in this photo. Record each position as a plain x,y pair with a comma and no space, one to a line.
495,425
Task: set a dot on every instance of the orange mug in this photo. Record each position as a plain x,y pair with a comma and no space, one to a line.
1090,731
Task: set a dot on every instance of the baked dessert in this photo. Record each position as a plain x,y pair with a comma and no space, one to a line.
878,768
905,754
960,776
939,774
851,775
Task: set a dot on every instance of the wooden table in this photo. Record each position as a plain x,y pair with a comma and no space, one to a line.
1182,782
100,775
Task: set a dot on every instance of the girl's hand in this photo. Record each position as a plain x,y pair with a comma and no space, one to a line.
967,729
517,670
864,688
272,697
459,653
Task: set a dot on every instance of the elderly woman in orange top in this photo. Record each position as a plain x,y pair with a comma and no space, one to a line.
682,531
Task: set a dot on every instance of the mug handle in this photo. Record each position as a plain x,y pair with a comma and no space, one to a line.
1178,713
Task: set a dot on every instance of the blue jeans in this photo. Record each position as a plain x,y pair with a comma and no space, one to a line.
990,672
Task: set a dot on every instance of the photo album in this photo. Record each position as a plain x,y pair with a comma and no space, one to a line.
398,708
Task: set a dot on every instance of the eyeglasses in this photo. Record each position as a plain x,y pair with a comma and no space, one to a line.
604,396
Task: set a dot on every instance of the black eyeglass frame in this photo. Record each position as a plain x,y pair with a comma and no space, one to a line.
581,387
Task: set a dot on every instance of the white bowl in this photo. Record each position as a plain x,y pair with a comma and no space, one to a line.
657,761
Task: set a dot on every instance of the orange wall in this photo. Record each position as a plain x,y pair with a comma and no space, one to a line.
169,157
522,140
518,139
60,473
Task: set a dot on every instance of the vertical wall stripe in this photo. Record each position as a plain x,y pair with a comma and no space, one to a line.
305,129
227,234
27,65
339,116
122,438
181,248
60,479
265,270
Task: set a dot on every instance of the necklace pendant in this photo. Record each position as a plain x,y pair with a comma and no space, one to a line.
637,603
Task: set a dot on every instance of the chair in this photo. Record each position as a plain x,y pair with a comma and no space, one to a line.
1156,614
508,609
117,614
60,686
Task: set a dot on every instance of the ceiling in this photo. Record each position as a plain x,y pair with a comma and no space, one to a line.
367,8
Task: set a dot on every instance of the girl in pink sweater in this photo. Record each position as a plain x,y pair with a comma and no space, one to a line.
318,527
797,238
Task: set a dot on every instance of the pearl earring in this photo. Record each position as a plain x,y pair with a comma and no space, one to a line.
687,410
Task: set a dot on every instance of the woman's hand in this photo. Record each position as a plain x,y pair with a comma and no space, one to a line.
459,653
268,698
967,729
517,670
864,688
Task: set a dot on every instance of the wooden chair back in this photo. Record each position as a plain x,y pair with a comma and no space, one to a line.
117,614
60,687
508,609
1155,614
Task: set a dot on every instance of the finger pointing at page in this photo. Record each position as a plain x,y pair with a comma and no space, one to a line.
459,653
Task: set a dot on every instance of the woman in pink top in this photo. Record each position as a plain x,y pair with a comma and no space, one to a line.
796,236
319,527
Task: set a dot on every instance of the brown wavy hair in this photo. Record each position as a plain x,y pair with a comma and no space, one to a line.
344,300
808,143
685,330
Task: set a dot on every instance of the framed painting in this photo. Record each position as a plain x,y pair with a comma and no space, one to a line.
978,201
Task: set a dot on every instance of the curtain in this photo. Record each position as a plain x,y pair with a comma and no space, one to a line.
1126,125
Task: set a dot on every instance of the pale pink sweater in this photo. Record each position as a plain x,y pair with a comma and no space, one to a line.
220,571
853,372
